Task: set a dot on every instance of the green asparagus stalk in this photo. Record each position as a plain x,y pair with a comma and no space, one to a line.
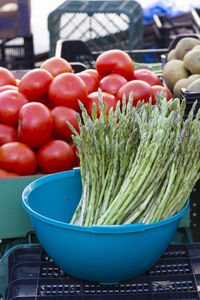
138,164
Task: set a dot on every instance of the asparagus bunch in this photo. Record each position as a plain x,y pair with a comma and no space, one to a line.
138,164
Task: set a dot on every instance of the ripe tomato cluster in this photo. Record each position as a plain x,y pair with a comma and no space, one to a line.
34,135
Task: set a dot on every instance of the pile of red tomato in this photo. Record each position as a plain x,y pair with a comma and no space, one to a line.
34,135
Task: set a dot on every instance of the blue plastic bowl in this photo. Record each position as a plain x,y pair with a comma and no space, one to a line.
106,254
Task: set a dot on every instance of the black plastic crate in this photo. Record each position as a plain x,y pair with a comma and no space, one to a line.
195,194
191,98
17,53
194,212
176,275
168,28
77,51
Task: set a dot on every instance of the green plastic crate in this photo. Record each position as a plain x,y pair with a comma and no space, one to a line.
102,25
14,220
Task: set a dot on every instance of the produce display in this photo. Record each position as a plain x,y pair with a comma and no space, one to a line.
182,69
138,163
34,111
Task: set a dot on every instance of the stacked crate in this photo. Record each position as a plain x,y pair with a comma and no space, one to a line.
16,40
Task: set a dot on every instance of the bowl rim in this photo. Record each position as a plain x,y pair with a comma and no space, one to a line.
104,229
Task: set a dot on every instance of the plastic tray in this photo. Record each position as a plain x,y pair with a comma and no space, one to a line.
176,275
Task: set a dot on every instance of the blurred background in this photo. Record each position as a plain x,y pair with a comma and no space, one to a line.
29,29
41,9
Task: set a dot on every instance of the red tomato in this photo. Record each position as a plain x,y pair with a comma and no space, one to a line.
55,156
35,83
109,99
115,61
60,115
7,134
6,77
35,124
141,91
111,83
157,89
56,65
10,103
66,89
148,76
6,174
93,73
18,157
91,83
8,87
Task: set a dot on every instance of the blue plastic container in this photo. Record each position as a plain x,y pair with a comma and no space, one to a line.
106,254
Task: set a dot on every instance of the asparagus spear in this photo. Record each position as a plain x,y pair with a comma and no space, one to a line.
138,164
